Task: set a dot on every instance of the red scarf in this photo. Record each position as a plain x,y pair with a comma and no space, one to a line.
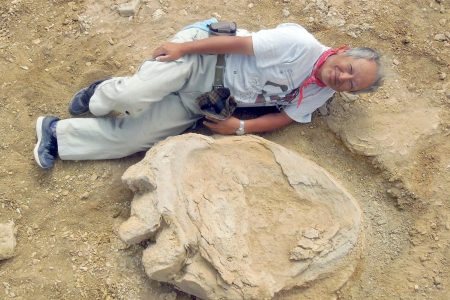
313,77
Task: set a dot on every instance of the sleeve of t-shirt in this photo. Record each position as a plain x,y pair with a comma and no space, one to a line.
282,44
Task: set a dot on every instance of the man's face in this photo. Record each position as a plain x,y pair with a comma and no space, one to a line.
347,74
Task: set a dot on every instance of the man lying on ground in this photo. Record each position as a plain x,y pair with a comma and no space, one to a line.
284,67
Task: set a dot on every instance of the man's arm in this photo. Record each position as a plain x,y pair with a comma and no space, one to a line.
265,123
212,45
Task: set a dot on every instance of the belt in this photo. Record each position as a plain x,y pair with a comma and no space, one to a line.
219,71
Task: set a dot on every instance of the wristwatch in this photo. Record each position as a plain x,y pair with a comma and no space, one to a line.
241,129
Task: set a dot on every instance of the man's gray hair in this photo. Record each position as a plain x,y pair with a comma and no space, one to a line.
370,54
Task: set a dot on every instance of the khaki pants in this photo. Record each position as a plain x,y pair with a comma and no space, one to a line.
156,102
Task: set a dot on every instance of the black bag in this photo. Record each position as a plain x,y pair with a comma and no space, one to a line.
223,28
218,103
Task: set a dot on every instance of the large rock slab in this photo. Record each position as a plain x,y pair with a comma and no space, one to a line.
389,129
240,218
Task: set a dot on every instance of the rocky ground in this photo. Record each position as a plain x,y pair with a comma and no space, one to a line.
391,150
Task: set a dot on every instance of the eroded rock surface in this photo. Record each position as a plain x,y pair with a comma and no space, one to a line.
240,218
7,240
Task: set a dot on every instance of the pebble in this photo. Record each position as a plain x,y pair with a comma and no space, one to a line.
348,97
158,14
250,5
171,296
286,12
442,76
440,37
437,280
395,61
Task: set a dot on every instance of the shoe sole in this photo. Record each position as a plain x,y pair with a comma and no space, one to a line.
39,136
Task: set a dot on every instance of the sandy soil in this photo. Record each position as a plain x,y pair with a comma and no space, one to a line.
391,150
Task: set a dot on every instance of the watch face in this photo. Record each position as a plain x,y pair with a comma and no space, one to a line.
241,129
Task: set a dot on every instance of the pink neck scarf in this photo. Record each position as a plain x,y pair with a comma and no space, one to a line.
313,77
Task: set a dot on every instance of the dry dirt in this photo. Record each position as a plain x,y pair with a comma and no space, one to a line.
391,150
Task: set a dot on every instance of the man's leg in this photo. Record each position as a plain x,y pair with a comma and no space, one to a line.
79,105
107,138
153,81
132,95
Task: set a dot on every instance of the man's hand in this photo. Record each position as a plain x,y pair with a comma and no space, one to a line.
228,126
264,123
168,52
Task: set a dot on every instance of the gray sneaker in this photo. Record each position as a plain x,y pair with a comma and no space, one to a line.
46,149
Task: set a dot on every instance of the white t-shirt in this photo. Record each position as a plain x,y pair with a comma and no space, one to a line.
284,58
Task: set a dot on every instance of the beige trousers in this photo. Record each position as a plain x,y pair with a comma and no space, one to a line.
156,102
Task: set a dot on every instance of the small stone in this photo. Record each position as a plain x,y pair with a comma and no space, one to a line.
94,177
158,14
416,287
36,41
396,62
442,76
286,12
437,280
349,97
129,9
406,40
24,67
440,37
250,5
171,296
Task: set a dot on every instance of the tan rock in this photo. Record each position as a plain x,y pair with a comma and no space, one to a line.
240,218
7,240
